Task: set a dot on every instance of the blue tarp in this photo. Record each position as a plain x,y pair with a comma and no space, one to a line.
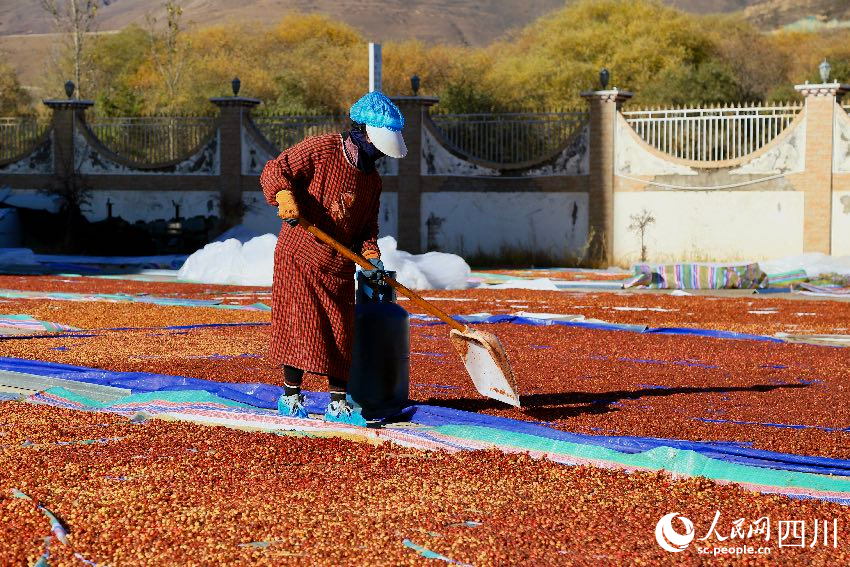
726,451
520,320
171,261
266,395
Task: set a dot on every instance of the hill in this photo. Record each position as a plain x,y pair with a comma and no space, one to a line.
465,22
774,14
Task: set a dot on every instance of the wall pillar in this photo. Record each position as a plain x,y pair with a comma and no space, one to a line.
604,106
233,111
67,113
414,109
816,180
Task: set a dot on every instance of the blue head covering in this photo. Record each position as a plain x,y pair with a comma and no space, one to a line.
377,110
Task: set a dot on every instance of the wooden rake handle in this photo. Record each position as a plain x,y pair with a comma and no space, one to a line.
367,265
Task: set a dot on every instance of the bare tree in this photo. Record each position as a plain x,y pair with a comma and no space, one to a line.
640,222
167,52
75,18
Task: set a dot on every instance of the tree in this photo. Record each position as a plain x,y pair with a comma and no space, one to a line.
748,55
548,63
75,18
640,224
707,82
168,50
115,60
14,100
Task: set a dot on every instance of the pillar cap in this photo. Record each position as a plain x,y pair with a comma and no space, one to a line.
235,101
68,103
822,89
613,95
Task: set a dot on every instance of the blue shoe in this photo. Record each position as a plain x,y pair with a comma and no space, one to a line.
292,406
341,411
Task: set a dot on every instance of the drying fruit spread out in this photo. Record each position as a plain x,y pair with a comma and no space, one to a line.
162,492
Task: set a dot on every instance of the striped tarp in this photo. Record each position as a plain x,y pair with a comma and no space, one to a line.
823,290
14,324
124,298
698,276
206,408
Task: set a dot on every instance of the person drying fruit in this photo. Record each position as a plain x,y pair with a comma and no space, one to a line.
331,182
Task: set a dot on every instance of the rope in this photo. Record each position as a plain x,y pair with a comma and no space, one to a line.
716,187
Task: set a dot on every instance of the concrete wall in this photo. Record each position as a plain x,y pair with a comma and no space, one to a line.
151,205
791,196
778,201
29,199
470,223
261,218
841,223
129,205
695,225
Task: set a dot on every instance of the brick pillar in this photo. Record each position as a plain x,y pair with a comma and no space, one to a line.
233,110
410,173
816,180
67,113
604,106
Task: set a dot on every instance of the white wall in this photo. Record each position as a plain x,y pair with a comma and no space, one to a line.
29,199
129,205
388,217
152,205
262,217
841,223
710,226
473,222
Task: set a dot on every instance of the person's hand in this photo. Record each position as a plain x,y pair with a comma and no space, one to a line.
378,267
287,208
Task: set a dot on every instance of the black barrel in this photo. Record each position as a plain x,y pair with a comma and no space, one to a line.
380,363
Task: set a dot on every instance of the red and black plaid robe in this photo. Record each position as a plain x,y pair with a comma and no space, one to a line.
313,289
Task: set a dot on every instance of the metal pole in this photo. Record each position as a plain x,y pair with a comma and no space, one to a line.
374,67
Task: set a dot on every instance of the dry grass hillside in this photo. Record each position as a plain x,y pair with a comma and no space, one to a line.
773,14
469,22
26,39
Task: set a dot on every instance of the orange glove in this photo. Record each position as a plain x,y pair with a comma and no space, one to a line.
287,208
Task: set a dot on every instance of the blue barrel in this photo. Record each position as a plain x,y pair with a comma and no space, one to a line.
380,362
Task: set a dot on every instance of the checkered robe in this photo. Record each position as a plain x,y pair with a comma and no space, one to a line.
313,289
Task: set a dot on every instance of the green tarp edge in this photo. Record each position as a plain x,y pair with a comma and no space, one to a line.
176,396
676,461
688,463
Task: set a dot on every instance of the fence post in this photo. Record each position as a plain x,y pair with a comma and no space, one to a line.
816,181
233,110
604,106
67,113
410,172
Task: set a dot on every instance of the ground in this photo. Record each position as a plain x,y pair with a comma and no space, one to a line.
162,492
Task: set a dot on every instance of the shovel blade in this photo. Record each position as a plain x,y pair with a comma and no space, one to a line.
487,364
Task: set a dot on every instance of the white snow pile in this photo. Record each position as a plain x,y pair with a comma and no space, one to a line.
432,270
231,262
240,232
252,263
815,264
